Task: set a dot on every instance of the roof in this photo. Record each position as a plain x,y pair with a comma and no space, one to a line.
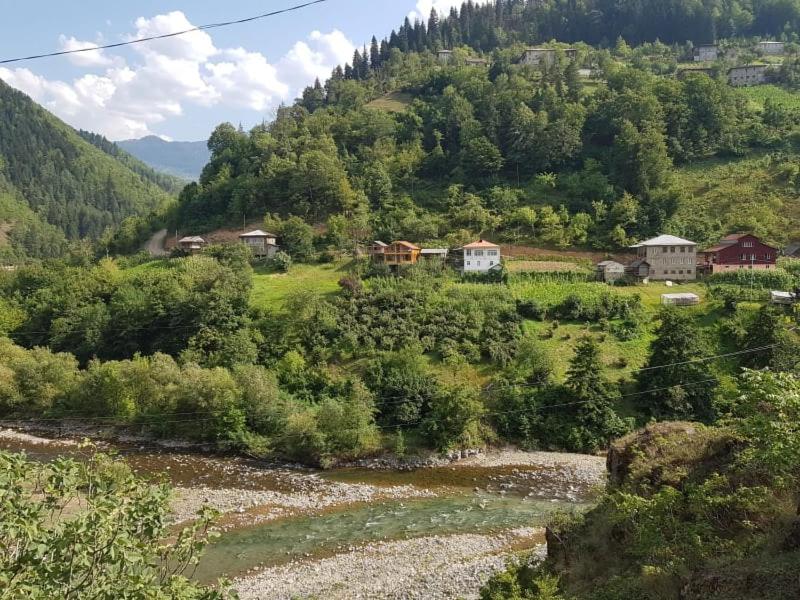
718,248
684,296
610,263
194,239
445,51
406,245
638,263
258,233
786,295
665,240
434,251
771,42
380,243
480,244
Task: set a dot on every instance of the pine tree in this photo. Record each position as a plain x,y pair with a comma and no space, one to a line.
434,33
374,54
572,78
363,67
357,64
674,385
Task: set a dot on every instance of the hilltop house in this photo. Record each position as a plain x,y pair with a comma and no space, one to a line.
665,257
738,251
772,48
747,75
192,244
545,56
610,271
481,257
261,243
706,53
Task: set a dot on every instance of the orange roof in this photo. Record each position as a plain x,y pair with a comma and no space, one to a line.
407,245
480,244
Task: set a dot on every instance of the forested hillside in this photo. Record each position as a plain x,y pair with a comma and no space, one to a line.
63,179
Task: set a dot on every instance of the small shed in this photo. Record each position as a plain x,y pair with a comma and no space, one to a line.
192,244
784,298
434,253
639,269
610,271
680,299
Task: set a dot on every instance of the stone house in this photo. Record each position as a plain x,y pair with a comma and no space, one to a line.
666,257
261,243
747,75
706,53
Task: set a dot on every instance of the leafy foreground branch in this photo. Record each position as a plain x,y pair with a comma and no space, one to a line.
92,530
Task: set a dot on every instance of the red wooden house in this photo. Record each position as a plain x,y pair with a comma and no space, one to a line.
738,251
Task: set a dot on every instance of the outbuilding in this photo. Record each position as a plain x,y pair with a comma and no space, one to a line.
680,299
610,271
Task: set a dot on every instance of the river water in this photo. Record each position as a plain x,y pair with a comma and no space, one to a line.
456,500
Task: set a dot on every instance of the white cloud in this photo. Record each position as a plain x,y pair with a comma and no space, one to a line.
165,76
94,58
423,9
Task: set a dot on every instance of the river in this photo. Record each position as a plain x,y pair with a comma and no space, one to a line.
427,533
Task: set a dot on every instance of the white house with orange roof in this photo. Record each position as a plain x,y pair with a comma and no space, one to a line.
481,257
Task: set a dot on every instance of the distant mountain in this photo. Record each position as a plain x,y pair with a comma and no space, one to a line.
182,159
52,181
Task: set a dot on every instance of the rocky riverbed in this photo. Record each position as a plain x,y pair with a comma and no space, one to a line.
430,568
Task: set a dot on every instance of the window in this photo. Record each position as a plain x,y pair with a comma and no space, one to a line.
664,250
683,249
469,264
469,252
747,244
680,272
478,252
672,249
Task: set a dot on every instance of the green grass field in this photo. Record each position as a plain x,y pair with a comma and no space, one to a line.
270,290
758,95
394,102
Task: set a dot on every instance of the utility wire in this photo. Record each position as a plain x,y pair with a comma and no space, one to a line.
166,35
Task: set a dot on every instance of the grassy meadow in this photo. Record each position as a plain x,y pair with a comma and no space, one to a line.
270,289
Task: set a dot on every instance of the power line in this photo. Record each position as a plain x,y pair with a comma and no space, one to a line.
166,35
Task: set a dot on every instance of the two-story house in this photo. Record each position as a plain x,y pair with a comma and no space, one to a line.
665,257
738,251
481,257
192,244
706,53
261,243
395,254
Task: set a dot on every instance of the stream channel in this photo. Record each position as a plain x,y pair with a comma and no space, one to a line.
276,516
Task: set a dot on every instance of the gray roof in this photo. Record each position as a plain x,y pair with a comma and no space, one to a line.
610,263
192,240
665,240
434,251
257,234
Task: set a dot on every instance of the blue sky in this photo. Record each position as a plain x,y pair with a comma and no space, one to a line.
183,87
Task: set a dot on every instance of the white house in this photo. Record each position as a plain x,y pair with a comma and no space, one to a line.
481,257
261,243
667,257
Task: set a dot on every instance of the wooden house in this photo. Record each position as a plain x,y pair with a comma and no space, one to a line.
192,244
261,243
610,271
738,251
397,254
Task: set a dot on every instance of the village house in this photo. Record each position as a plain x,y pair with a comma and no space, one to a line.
445,56
395,254
747,75
261,243
610,271
481,257
706,53
431,253
664,258
772,48
192,244
737,251
545,56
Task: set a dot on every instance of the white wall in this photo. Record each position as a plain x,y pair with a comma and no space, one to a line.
481,260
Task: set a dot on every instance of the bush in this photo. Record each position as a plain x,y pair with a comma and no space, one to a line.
531,309
454,420
281,262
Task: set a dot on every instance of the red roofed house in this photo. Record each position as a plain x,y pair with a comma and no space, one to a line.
738,251
481,256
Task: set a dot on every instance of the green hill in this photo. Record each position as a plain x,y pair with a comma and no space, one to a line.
63,180
182,159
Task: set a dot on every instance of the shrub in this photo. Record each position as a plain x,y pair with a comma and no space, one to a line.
454,419
281,262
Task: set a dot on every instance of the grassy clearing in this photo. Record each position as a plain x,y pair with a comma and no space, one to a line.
758,95
270,289
394,102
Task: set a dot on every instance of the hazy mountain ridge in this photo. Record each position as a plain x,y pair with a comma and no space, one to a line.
181,159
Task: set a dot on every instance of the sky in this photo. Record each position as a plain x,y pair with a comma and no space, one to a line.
181,88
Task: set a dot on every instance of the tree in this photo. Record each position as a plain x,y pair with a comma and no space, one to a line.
111,547
454,419
674,384
297,238
572,78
